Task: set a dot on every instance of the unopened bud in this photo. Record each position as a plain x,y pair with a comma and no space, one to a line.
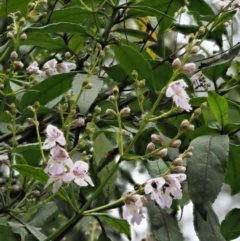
190,149
157,138
97,109
31,108
99,46
203,105
201,30
115,90
22,21
14,55
197,113
188,154
188,68
36,104
23,36
176,143
125,110
112,98
178,161
86,64
8,113
18,64
162,153
184,125
176,63
10,35
150,147
97,118
141,83
111,112
191,37
30,120
88,86
179,169
9,127
191,127
78,122
195,50
135,74
67,55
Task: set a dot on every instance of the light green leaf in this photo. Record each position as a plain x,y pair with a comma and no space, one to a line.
219,107
6,234
206,170
35,232
156,167
18,228
89,95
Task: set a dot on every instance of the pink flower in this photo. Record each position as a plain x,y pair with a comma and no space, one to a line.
80,173
164,189
65,67
50,67
135,208
59,161
176,90
33,68
54,136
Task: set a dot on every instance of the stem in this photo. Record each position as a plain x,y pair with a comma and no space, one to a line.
75,203
119,134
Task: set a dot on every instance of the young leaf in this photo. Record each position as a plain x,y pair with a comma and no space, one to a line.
120,225
207,230
230,226
47,90
206,170
129,59
7,234
164,226
219,107
233,169
89,95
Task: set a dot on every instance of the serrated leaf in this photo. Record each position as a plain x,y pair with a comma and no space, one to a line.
206,170
48,89
233,169
43,213
7,234
122,226
164,227
130,59
230,226
219,107
156,168
207,230
89,95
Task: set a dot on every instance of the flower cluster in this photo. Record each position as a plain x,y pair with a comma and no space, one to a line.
50,68
176,90
60,167
224,3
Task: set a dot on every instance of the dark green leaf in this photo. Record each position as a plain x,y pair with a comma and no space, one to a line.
224,17
11,6
120,225
35,232
230,226
156,168
231,128
111,71
208,230
129,59
206,170
233,169
7,234
103,237
48,89
164,226
219,107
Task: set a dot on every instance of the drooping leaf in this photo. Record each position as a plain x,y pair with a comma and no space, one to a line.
219,107
207,230
89,95
233,169
164,226
48,89
120,225
7,234
206,170
230,226
129,59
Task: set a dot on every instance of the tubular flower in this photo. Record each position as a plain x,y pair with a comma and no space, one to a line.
54,136
164,189
59,161
135,208
176,90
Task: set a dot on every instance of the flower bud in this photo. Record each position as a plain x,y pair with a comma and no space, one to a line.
188,68
78,122
188,154
125,110
112,98
191,127
195,50
203,105
184,125
30,120
67,55
36,104
88,86
162,153
150,147
197,113
31,108
142,83
18,64
176,63
135,74
201,30
157,138
176,143
97,109
10,35
178,161
14,55
115,90
9,127
110,112
191,37
23,36
97,118
190,149
179,169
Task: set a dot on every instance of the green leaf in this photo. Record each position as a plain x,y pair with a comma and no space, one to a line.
122,226
63,27
35,232
156,168
11,6
224,17
231,128
164,227
25,147
206,170
89,95
130,59
18,228
103,237
219,107
230,226
7,234
43,213
233,169
207,230
48,89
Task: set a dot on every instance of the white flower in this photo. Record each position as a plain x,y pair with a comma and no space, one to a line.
135,208
65,67
50,67
164,189
59,161
58,180
33,68
80,173
176,90
54,136
221,2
